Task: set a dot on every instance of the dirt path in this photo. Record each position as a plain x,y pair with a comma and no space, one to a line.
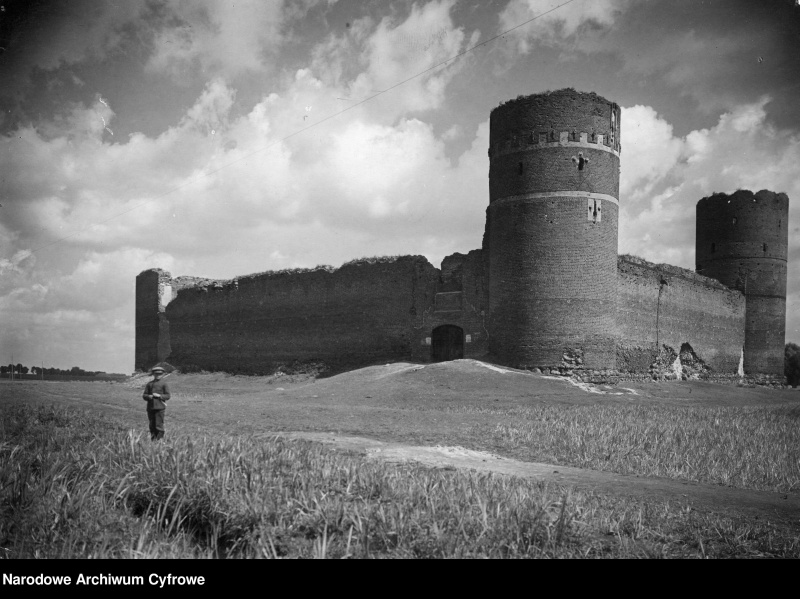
775,507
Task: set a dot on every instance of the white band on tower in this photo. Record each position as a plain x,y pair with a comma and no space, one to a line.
559,194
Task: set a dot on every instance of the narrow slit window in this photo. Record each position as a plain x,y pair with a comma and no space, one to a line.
595,211
713,248
765,247
520,168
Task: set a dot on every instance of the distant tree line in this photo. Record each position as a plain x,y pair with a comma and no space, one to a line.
37,370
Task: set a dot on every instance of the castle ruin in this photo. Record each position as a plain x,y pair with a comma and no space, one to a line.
546,290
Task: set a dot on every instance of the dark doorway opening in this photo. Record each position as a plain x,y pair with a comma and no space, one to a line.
447,343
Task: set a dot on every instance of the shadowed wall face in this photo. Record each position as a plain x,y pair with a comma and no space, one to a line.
661,305
742,241
153,293
552,229
356,315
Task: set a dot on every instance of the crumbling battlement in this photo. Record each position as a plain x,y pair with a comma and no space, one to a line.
667,270
188,282
559,116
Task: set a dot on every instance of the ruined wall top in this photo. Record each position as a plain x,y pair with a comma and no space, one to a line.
745,196
201,283
669,270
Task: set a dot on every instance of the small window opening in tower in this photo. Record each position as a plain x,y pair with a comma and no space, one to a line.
595,210
779,223
520,168
765,247
734,220
713,248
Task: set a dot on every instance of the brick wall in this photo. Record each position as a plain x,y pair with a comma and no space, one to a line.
552,169
742,241
462,282
662,305
360,313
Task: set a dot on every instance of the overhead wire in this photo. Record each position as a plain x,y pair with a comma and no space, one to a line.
298,132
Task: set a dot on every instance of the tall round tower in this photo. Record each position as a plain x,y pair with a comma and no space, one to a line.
742,241
551,229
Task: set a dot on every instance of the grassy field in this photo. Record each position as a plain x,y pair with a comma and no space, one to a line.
76,485
79,484
749,448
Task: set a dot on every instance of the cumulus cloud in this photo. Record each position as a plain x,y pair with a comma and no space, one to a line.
176,36
218,38
651,151
12,265
219,194
397,51
664,176
370,58
663,173
554,26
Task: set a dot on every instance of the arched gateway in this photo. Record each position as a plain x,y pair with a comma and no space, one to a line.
447,343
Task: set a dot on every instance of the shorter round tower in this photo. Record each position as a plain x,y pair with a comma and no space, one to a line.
742,241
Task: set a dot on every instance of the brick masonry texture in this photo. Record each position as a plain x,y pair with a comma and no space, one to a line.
552,272
464,273
742,241
360,313
661,305
552,169
552,282
546,290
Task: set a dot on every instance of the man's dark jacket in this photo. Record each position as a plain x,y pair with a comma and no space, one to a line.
154,403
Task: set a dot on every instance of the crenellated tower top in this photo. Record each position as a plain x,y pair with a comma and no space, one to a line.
564,117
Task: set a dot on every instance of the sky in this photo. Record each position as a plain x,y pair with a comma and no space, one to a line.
216,138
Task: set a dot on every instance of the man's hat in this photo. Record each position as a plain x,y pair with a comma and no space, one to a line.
157,369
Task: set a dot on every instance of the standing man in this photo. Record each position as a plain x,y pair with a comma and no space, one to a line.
156,393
